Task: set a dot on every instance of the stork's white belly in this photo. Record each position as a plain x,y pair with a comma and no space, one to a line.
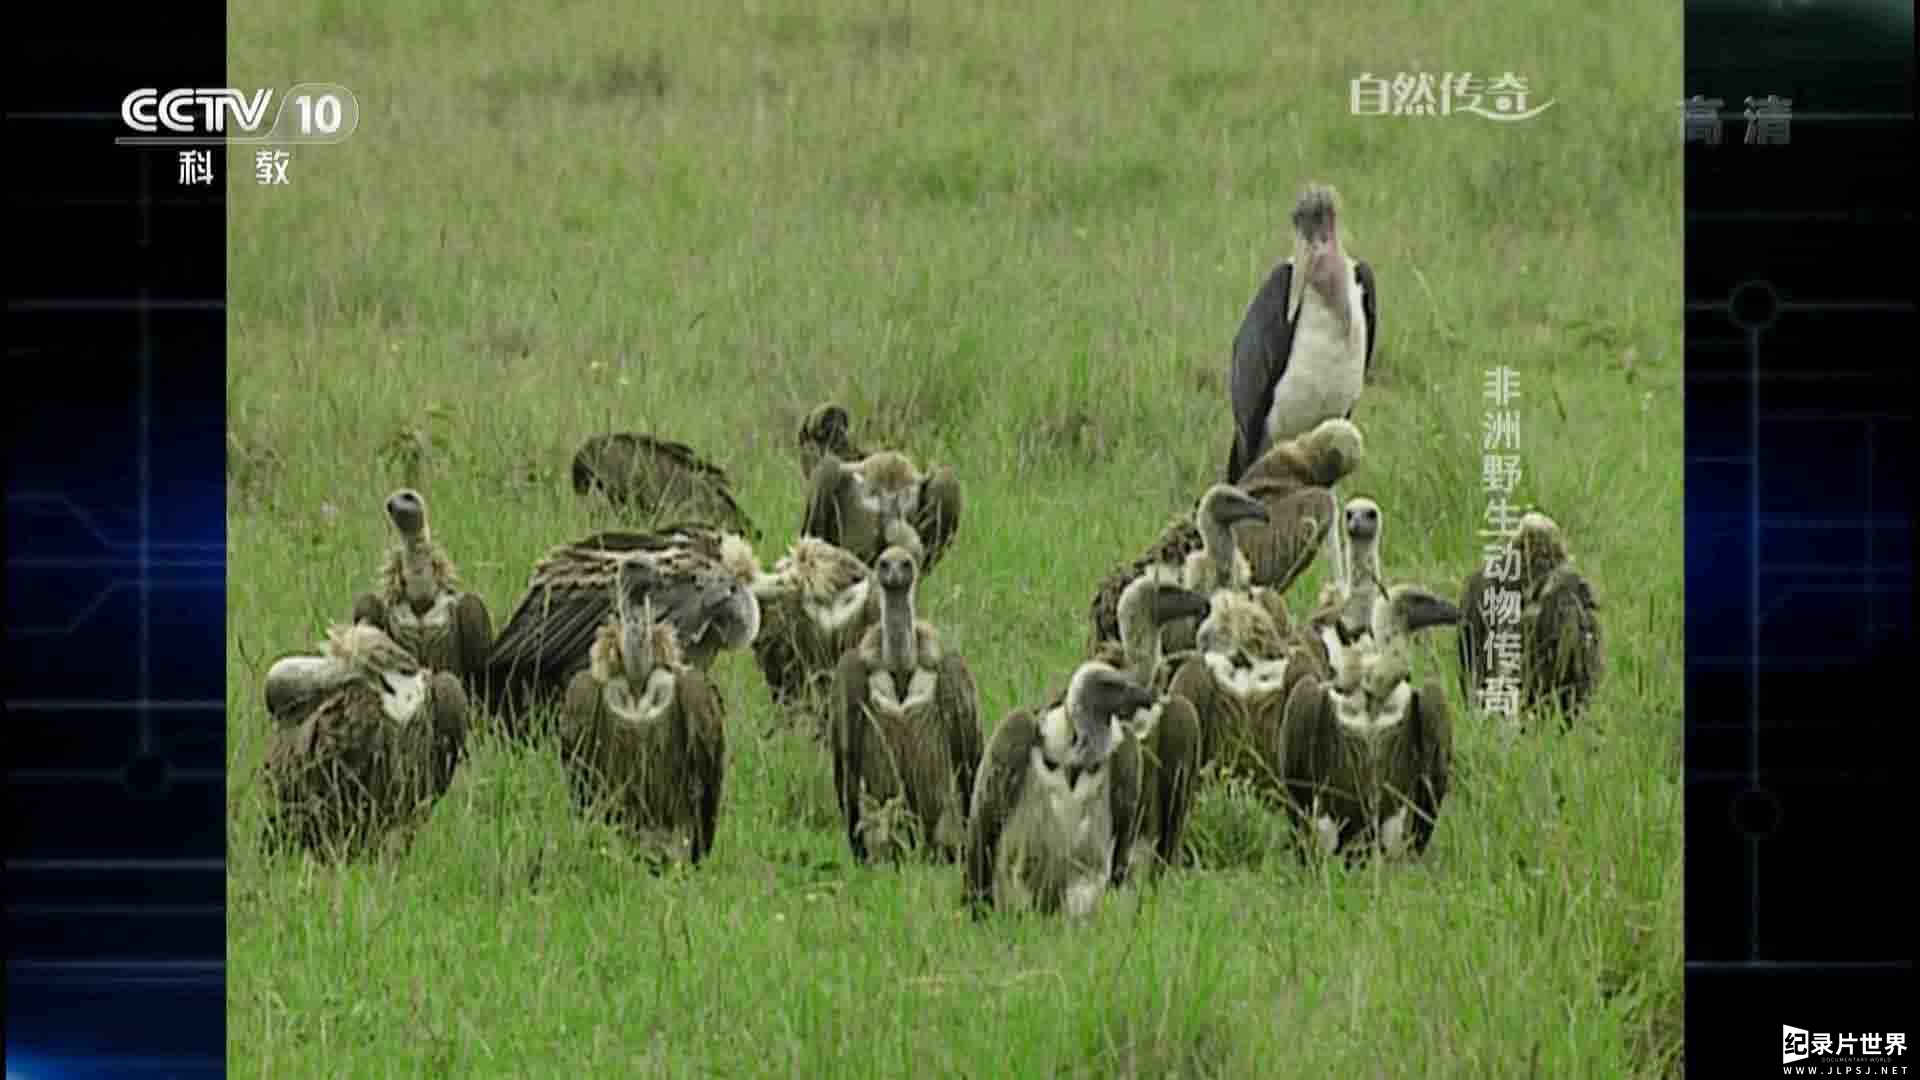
1324,371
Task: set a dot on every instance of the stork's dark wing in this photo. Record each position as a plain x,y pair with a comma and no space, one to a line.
1363,273
1260,352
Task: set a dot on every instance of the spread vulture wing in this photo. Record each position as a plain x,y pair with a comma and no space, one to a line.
569,594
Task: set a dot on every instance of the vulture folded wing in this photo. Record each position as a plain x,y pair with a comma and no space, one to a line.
937,518
825,500
1281,548
1310,746
473,634
1566,642
1123,793
1430,726
958,706
846,731
705,713
997,789
368,608
1175,748
1472,635
582,735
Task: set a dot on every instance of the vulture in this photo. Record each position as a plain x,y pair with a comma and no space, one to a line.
419,602
1237,678
905,729
365,739
1359,583
705,583
641,732
658,477
1198,553
1168,732
822,606
1555,643
1343,614
1056,799
856,505
1366,755
1294,481
1306,343
824,431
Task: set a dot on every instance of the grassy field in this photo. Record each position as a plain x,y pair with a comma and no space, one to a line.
1018,241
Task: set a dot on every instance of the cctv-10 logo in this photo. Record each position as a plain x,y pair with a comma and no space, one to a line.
319,113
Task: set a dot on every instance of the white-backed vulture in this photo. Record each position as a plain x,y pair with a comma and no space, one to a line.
659,478
1056,800
851,504
1367,756
1306,342
823,431
642,733
905,729
1199,552
364,740
702,582
419,602
1557,651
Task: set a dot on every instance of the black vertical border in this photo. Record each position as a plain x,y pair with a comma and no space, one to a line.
116,346
1799,337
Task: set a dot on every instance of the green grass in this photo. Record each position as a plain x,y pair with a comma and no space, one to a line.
1019,242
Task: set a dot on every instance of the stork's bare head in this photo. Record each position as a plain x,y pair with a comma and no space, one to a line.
1316,232
407,509
1314,218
